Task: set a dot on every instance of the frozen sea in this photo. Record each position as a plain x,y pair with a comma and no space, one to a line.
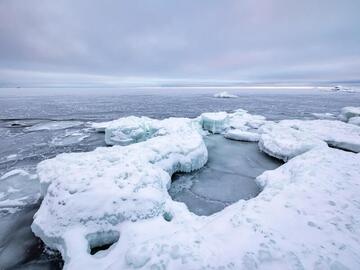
37,124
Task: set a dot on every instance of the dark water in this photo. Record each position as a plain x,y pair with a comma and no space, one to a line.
227,177
217,185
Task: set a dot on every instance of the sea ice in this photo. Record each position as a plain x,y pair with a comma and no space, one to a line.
224,94
108,186
349,112
240,135
17,189
54,125
132,129
289,138
79,209
355,120
327,116
215,122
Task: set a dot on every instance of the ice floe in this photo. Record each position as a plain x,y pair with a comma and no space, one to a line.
289,138
349,112
224,94
132,129
215,122
354,120
239,135
17,189
54,125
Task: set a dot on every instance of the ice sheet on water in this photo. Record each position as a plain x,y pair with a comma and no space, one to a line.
240,135
17,189
54,125
348,112
289,138
355,120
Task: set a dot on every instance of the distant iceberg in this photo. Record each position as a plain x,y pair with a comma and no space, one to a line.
225,94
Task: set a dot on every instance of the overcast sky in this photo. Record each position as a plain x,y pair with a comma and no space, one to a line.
77,41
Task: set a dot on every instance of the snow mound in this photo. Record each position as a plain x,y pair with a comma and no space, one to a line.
355,120
279,229
89,194
349,112
239,135
289,138
224,94
17,189
54,125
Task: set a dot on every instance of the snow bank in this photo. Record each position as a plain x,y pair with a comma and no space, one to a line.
279,229
289,138
326,116
224,94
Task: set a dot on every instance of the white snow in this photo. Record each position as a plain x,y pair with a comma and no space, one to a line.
132,129
224,94
54,125
239,135
355,120
284,142
289,138
306,217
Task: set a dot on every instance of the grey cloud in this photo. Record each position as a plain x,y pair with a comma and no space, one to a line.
244,40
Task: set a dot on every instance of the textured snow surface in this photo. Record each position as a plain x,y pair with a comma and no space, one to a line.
224,94
279,229
289,138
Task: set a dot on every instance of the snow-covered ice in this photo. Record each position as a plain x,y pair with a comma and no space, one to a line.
289,138
349,112
215,122
354,120
54,125
224,94
132,129
240,135
279,229
327,116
